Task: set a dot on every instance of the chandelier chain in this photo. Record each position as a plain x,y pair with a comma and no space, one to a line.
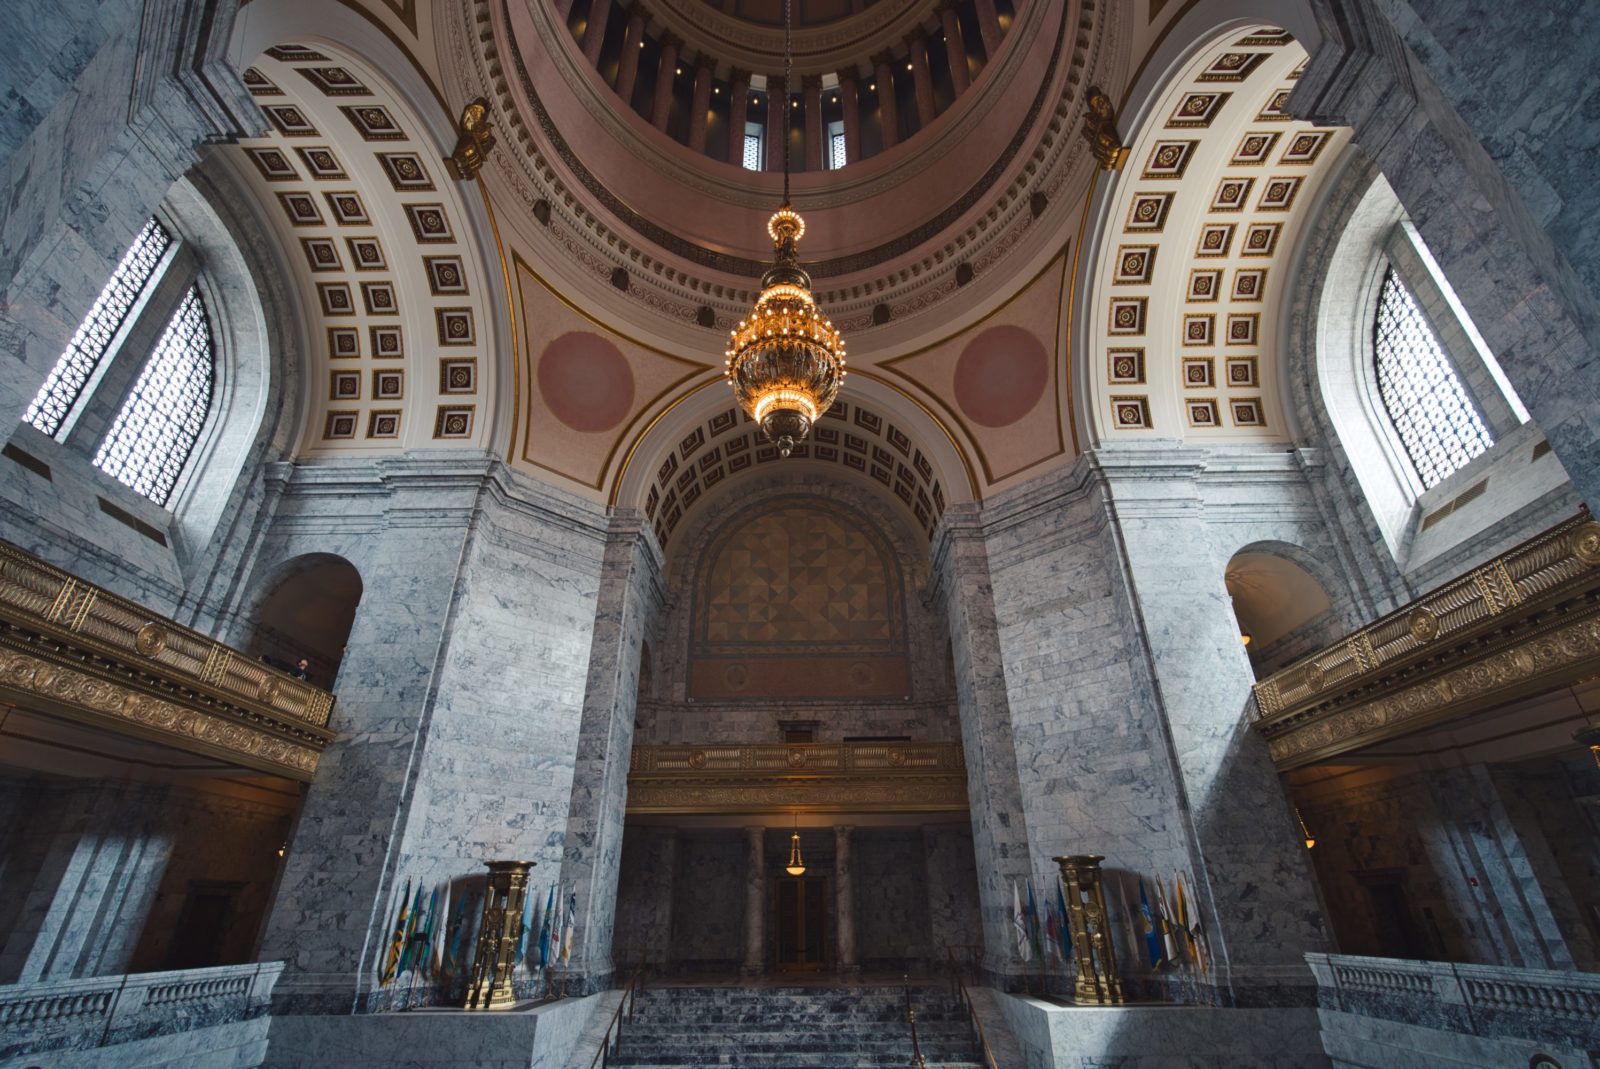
788,89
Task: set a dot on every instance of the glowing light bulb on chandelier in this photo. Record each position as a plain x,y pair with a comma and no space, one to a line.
785,361
797,864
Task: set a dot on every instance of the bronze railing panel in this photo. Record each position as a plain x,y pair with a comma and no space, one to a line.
77,650
813,777
1526,622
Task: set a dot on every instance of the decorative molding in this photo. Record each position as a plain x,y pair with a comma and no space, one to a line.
1526,622
76,650
883,777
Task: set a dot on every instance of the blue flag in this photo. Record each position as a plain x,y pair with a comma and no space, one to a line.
1064,931
1152,933
544,929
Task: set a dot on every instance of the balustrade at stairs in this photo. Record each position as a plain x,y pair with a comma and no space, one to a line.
861,1026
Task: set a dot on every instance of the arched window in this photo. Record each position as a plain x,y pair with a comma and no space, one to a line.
161,420
1436,420
89,346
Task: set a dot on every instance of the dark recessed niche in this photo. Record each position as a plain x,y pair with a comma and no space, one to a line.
1038,202
963,273
705,316
619,279
880,315
541,212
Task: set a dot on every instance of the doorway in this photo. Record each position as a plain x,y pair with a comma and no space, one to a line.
801,923
202,930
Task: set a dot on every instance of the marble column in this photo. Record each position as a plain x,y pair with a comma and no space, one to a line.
989,28
594,31
850,105
999,820
699,111
844,887
816,129
628,604
777,104
666,82
888,115
954,47
755,903
917,50
632,45
738,113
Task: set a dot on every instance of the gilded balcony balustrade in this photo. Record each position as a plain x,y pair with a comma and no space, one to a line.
1523,624
76,650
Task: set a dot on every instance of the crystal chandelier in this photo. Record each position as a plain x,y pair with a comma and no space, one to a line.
785,361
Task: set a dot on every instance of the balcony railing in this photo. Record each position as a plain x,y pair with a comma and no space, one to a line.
78,1015
1525,623
811,777
1558,1009
78,651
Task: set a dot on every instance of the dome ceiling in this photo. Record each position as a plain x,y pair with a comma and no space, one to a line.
807,13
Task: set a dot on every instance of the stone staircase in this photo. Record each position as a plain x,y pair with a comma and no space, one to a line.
839,1027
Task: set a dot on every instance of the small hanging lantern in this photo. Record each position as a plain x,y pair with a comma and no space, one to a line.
797,864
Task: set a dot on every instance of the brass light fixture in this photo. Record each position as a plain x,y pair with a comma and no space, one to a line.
785,361
797,864
1304,831
1589,737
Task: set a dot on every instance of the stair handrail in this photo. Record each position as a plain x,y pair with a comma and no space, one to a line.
917,1060
630,995
959,988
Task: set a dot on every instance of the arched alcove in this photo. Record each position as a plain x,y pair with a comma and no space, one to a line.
307,615
1283,610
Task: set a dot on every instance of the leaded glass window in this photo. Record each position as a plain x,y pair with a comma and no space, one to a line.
1437,422
752,147
836,158
162,418
93,339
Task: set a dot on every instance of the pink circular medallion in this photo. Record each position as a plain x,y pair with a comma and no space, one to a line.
586,381
1000,376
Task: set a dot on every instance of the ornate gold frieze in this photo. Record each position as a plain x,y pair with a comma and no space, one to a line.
78,651
1525,623
814,777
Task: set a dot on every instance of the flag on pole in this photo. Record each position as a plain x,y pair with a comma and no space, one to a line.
408,953
1152,935
555,929
534,928
571,918
544,930
1064,931
1134,932
1193,931
1034,944
1020,923
436,955
1168,936
527,923
391,960
424,956
454,957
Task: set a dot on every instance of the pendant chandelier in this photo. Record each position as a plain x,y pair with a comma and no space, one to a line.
797,864
785,361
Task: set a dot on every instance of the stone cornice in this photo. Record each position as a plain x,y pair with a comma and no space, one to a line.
1524,623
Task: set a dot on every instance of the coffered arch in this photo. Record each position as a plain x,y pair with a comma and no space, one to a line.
1196,238
398,286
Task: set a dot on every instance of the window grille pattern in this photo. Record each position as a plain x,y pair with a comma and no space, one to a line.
93,340
1437,422
836,151
752,152
160,422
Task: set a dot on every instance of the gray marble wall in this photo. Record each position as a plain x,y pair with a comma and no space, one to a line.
1475,121
708,904
642,930
460,697
892,921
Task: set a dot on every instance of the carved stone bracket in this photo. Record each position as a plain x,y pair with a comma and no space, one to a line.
1522,624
